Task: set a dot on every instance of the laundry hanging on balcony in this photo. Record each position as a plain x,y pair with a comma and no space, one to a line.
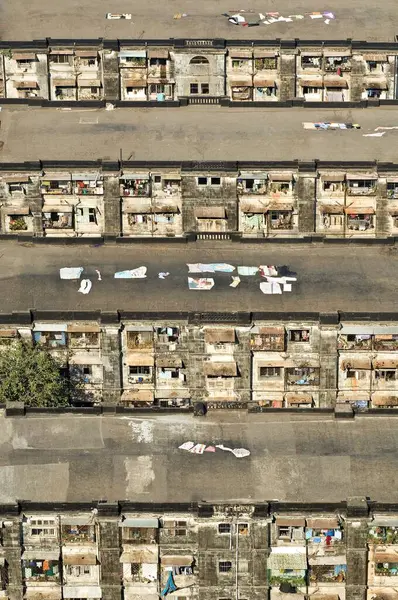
170,585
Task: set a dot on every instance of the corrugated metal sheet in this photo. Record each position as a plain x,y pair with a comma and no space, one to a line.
385,399
281,562
85,558
8,333
332,177
52,207
327,560
220,369
315,83
262,82
356,363
169,362
136,206
81,82
139,359
253,206
218,335
240,53
158,53
290,521
71,82
40,555
359,210
385,363
336,82
264,53
376,85
283,177
89,591
140,555
149,523
327,523
50,327
210,212
16,210
24,56
331,209
86,53
177,561
134,82
79,357
22,85
386,557
82,328
132,54
137,396
242,81
296,398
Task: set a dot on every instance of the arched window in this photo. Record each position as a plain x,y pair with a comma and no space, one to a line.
199,60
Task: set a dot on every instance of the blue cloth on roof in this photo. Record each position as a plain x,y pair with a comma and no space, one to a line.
316,540
170,585
330,532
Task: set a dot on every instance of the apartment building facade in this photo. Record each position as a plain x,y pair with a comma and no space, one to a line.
174,199
198,70
248,360
267,551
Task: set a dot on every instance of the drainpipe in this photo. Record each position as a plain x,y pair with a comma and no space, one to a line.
236,560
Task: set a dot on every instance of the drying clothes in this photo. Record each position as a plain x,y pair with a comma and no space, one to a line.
170,586
270,287
268,270
85,286
187,446
247,271
99,274
198,449
200,284
139,273
70,272
235,282
163,275
210,268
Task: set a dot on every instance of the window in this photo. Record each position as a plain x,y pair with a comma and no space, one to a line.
284,531
199,60
311,90
157,62
243,566
135,568
386,375
270,372
205,88
224,528
224,566
158,179
194,88
353,374
24,62
175,528
202,180
139,370
42,528
299,335
87,370
61,59
215,180
243,528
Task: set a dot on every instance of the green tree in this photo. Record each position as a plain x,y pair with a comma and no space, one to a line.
31,375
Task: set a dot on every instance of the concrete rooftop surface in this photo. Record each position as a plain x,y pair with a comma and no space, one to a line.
36,19
194,133
292,458
352,279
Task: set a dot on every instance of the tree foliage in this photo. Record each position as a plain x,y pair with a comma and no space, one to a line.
31,375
